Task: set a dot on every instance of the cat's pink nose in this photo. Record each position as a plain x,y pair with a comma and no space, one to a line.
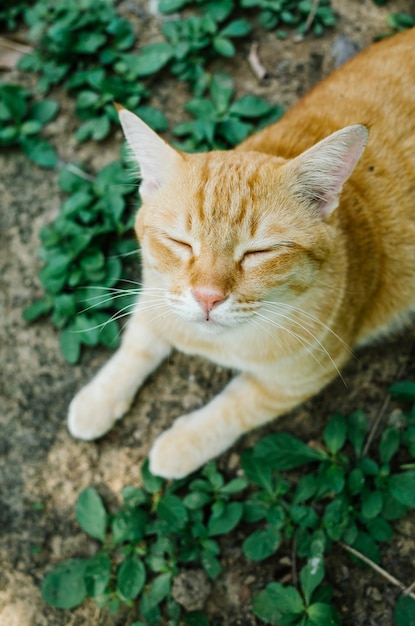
208,298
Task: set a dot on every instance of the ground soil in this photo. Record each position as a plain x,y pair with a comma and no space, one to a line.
42,469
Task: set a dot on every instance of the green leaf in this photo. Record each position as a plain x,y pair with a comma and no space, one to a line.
262,543
128,525
367,546
257,471
70,345
357,429
223,46
221,90
153,117
234,130
389,443
372,505
131,576
306,488
236,28
275,601
311,575
227,521
380,530
197,500
91,514
90,42
160,588
79,200
109,334
30,127
404,613
250,106
402,487
133,496
172,510
97,574
44,111
336,518
334,435
70,181
235,486
64,587
152,58
356,481
100,127
151,483
321,614
403,390
37,309
283,451
14,101
196,618
210,564
39,151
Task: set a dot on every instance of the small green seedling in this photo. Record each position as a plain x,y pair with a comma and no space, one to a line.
303,15
334,492
220,122
190,45
22,119
82,252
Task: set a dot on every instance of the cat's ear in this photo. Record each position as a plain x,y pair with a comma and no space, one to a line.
156,159
318,174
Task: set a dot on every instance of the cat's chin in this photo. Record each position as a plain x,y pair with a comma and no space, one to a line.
212,327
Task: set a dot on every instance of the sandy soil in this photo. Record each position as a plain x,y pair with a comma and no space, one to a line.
42,470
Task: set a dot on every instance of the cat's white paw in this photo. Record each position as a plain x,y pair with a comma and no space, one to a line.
181,450
92,412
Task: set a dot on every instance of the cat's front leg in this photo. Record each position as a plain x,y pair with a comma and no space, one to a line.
98,405
202,435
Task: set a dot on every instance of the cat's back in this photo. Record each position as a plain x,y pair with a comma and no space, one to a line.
375,88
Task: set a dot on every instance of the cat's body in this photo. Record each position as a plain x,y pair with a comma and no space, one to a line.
267,264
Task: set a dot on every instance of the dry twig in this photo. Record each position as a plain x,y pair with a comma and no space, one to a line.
255,63
406,590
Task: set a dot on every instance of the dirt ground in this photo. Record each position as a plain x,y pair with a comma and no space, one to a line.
42,469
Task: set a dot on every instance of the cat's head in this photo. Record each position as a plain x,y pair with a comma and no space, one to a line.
224,232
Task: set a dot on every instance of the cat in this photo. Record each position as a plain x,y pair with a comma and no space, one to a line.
277,258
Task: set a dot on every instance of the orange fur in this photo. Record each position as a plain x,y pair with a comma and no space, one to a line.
276,258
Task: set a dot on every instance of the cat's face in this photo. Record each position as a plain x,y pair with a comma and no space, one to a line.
223,236
224,232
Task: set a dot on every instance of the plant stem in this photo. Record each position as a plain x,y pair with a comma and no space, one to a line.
407,590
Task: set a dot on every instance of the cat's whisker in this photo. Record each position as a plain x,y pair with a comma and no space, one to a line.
311,317
125,254
320,346
101,299
300,339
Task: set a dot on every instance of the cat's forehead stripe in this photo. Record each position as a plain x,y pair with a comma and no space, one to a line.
226,190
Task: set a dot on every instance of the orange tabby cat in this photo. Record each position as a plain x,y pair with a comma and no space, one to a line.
275,259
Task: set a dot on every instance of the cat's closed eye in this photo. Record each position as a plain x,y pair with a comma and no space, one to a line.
263,252
180,244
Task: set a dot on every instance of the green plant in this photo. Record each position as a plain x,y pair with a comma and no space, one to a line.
81,253
190,45
70,36
218,9
400,21
291,13
81,44
342,496
22,119
96,93
11,16
145,542
221,123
